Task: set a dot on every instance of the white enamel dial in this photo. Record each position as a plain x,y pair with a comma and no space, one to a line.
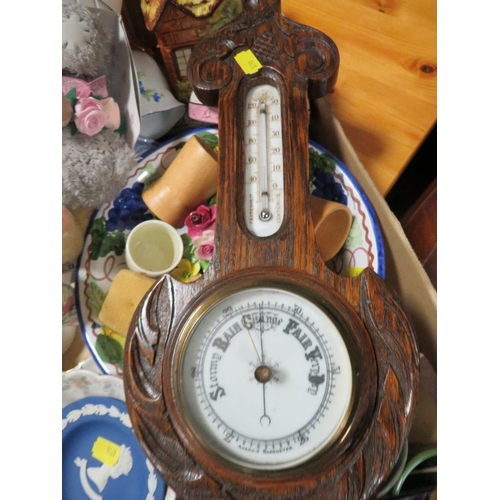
263,161
266,378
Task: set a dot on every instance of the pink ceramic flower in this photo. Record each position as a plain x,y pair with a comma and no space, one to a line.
83,91
113,111
67,111
202,219
204,245
90,116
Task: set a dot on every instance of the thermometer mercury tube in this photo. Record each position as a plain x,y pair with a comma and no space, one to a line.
263,161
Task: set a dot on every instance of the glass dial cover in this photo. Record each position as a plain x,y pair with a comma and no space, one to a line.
266,378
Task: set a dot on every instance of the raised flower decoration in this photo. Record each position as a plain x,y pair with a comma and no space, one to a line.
198,244
86,111
186,271
201,220
92,115
204,245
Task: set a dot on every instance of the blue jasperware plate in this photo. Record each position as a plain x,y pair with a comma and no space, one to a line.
127,475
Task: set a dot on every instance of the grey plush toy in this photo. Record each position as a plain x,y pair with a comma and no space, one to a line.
86,44
94,168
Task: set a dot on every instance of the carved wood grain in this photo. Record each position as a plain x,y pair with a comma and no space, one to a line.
300,62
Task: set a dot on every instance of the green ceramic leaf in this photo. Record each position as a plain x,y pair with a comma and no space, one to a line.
321,161
71,95
123,124
96,296
104,242
355,237
149,174
211,140
109,350
189,248
204,265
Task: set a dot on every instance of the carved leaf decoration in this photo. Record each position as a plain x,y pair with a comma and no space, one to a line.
143,380
155,315
387,435
179,470
393,335
397,358
166,445
356,477
390,418
147,330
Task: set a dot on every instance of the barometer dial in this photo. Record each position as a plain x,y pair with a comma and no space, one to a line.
266,378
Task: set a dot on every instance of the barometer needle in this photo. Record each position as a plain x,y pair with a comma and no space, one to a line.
248,327
265,419
254,346
261,328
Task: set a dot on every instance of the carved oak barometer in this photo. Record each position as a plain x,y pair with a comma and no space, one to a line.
271,377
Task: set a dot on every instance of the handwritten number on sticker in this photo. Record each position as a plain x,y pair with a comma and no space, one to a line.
106,451
248,62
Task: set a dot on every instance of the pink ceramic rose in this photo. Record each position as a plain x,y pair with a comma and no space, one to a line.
90,116
82,91
113,111
202,219
204,245
67,111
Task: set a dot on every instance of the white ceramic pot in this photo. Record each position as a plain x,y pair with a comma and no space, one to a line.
159,109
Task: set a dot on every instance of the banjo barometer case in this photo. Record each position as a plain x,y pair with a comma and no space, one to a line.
272,289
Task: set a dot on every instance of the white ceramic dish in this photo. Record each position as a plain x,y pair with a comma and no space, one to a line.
78,384
363,248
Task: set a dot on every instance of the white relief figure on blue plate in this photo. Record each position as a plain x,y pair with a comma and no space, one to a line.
100,475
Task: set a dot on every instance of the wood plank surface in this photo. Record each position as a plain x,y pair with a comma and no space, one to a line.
386,94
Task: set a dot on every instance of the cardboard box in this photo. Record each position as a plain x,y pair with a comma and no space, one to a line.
404,272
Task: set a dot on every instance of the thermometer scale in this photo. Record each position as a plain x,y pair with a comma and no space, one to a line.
264,200
270,377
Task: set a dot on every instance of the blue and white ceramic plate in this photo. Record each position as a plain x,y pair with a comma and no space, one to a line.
103,251
101,426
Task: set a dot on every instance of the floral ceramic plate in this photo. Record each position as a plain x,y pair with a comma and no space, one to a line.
103,252
101,457
78,384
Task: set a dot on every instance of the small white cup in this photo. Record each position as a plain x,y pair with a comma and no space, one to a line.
153,248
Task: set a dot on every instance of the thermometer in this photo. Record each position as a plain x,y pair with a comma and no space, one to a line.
263,161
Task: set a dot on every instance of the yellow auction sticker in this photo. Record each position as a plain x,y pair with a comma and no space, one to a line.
248,61
352,272
106,451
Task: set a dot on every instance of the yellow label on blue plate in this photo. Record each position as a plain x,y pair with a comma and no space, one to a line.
248,62
106,451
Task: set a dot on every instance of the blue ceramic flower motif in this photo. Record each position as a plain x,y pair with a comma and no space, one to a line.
149,94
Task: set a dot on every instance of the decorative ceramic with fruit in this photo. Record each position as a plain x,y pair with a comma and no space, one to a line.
103,252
